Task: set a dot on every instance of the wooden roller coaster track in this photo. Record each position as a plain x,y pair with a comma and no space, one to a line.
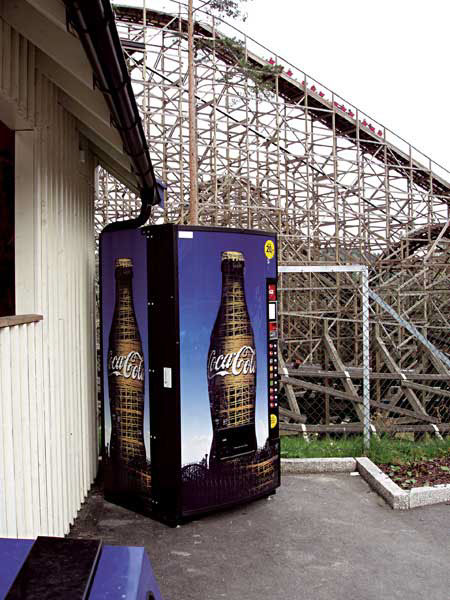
279,151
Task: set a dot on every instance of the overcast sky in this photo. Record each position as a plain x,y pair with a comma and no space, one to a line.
389,58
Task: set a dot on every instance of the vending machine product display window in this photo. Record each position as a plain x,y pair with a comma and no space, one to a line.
189,368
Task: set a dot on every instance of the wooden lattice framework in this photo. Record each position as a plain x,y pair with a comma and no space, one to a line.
281,152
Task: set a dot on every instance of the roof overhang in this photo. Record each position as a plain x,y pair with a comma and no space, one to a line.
62,59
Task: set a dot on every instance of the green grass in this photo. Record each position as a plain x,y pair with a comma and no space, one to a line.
382,450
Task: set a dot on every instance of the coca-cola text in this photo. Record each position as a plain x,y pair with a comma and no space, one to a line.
234,363
129,366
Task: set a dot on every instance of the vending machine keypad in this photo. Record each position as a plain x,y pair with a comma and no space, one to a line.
272,335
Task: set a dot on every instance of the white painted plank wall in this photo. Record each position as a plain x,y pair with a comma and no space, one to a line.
22,463
48,448
17,71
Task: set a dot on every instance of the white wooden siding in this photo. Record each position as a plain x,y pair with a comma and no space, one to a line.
48,448
23,507
17,71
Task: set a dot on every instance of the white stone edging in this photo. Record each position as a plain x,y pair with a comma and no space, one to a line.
318,465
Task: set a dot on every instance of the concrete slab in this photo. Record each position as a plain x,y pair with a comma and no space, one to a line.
395,496
321,538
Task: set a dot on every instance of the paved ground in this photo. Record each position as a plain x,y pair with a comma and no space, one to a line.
321,537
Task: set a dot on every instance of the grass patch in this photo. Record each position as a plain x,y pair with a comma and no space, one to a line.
383,450
404,451
298,447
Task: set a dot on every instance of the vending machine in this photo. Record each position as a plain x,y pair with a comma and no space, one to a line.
190,368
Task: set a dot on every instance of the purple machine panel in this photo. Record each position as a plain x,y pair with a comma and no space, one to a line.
227,451
125,360
124,572
51,568
13,554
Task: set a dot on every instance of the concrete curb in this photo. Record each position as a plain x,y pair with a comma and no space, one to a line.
382,484
395,496
427,495
318,465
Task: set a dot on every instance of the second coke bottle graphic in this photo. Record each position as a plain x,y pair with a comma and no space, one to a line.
231,367
126,376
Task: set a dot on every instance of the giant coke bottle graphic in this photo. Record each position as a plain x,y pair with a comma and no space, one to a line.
126,375
231,367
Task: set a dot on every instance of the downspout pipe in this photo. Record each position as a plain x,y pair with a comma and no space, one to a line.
94,22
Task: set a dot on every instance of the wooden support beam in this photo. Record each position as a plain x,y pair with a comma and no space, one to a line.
404,411
293,428
419,415
346,380
320,388
394,368
19,320
290,395
284,412
436,362
356,373
357,400
426,388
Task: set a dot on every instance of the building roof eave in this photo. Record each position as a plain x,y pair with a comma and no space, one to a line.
96,29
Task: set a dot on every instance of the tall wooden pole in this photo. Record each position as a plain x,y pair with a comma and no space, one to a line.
193,174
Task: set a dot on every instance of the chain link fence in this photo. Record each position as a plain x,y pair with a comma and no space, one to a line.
343,368
324,319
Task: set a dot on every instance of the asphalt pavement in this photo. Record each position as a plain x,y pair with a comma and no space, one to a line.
321,537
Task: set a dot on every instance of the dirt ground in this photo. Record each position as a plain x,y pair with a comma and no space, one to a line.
423,473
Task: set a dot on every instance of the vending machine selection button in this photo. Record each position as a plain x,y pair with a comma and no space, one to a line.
272,291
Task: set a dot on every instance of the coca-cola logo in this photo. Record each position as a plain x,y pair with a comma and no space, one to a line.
234,363
130,366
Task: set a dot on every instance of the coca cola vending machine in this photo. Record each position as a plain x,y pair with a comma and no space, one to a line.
190,369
